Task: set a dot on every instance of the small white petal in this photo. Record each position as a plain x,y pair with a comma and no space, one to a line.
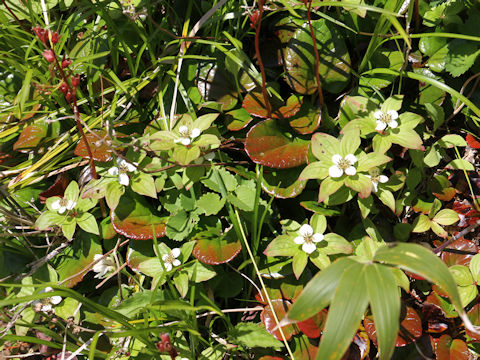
380,126
309,247
337,159
317,237
168,266
352,159
306,230
124,179
47,308
70,204
62,209
186,141
334,171
55,300
165,257
195,133
183,129
393,124
299,240
99,268
350,171
176,262
56,205
48,289
375,186
369,176
113,171
176,141
378,114
176,252
97,256
383,179
121,162
393,114
130,167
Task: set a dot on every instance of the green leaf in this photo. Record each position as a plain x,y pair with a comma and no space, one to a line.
392,103
299,262
252,335
384,299
113,193
381,143
467,294
184,155
421,261
324,146
318,223
461,56
350,141
437,229
386,197
328,187
315,170
360,183
210,203
227,178
421,224
72,191
68,228
406,137
365,205
475,267
319,291
179,226
460,164
88,223
452,140
345,313
336,244
143,184
371,160
462,275
446,217
282,245
48,219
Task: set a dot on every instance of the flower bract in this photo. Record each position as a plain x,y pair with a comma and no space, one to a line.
377,179
170,260
63,204
385,119
104,266
308,238
122,171
342,165
187,135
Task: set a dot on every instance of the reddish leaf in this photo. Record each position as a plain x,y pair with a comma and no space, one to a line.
30,137
216,249
422,206
57,189
473,142
474,316
135,218
448,349
96,141
313,327
305,349
461,244
441,304
410,328
268,145
255,105
441,188
283,184
307,120
280,307
269,357
237,119
467,213
77,257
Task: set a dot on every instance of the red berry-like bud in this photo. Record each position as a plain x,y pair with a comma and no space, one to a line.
160,346
63,88
75,81
69,97
55,38
165,337
49,55
66,63
41,33
254,19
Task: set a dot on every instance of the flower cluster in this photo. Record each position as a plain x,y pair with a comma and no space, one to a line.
342,165
122,170
187,135
104,266
386,119
308,239
170,260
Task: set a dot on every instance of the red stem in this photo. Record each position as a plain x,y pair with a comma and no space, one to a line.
317,58
15,16
76,113
259,58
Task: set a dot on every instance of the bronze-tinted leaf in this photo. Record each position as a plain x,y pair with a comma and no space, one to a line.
98,146
30,137
280,307
216,249
456,257
57,189
254,103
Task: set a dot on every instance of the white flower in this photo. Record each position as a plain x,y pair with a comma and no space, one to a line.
47,304
386,119
342,165
377,179
187,136
308,239
170,260
63,204
104,266
121,171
